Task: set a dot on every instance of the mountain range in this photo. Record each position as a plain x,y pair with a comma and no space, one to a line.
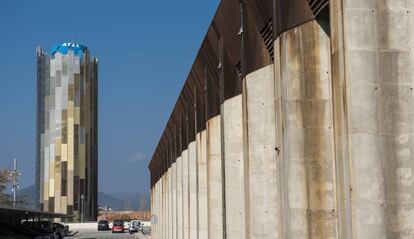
119,201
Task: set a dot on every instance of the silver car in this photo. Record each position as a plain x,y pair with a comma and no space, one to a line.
135,226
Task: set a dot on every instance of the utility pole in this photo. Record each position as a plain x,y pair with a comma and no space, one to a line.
15,174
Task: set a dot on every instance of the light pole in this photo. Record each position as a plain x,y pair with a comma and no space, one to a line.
15,174
82,208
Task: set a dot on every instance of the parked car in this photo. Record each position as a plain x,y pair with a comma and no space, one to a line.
56,228
66,227
118,226
134,226
60,229
30,232
103,225
126,226
42,229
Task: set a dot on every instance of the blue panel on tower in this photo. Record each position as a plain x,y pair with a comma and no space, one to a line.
63,48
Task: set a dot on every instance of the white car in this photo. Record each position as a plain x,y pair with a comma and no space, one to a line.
134,226
126,225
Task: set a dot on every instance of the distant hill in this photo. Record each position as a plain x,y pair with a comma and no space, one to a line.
105,199
117,201
133,201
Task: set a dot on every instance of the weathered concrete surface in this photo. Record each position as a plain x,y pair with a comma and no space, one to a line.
174,223
153,207
282,198
215,181
169,204
164,219
156,223
202,179
192,175
261,167
186,198
322,150
373,63
232,116
179,197
159,229
340,121
160,211
308,134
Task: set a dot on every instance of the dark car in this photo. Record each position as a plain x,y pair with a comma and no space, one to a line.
118,226
103,225
57,229
37,230
60,229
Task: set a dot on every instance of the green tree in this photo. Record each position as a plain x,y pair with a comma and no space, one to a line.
5,199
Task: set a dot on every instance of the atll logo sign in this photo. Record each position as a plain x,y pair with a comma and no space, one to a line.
69,44
63,48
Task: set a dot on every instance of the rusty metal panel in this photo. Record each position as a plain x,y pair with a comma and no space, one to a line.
228,27
257,37
190,109
289,14
199,95
209,63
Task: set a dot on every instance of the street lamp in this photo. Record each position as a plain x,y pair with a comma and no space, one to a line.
15,175
82,206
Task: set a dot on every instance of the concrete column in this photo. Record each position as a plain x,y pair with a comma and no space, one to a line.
169,205
186,225
308,132
202,206
215,181
153,210
159,194
262,168
376,52
192,176
283,217
340,121
179,198
164,206
156,210
232,117
161,216
152,202
174,200
160,225
159,208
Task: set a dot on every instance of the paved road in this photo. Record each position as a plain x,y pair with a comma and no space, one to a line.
106,234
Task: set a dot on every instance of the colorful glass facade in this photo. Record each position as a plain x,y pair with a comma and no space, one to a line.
67,131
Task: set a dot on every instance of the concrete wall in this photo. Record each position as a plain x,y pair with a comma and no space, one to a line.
202,185
308,134
192,188
215,180
318,145
169,204
163,218
179,197
232,115
185,197
372,49
174,220
262,199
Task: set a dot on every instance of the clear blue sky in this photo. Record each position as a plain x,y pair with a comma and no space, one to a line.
145,51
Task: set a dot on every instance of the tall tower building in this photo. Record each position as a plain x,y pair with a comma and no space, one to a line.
67,131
